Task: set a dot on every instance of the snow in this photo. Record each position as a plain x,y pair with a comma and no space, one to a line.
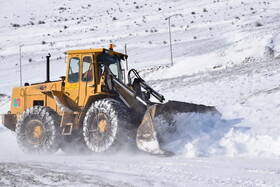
275,45
194,134
141,171
226,54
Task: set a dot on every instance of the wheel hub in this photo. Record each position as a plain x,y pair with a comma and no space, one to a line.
35,131
102,126
38,132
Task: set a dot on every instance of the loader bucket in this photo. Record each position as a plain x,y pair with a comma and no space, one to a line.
148,134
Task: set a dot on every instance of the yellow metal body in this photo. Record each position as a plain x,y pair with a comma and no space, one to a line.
64,96
28,96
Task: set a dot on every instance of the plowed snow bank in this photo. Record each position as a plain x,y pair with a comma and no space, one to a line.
206,135
193,134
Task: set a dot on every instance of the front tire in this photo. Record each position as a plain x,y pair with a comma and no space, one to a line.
106,126
37,130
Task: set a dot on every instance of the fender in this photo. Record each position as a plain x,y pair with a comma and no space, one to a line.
60,100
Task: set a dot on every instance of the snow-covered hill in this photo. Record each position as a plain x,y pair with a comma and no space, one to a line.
209,35
226,54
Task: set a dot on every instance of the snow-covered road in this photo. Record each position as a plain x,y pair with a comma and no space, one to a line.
138,170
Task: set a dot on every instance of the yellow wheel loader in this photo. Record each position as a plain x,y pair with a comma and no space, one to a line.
91,108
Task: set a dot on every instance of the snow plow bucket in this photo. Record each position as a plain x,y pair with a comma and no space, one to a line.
148,134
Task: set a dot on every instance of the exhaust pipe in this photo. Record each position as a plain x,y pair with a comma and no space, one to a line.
48,67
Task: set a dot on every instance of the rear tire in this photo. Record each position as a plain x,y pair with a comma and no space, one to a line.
37,130
106,126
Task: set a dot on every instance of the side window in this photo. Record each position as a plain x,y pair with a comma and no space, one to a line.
87,69
73,74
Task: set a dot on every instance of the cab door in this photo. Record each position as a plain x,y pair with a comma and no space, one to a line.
72,82
87,82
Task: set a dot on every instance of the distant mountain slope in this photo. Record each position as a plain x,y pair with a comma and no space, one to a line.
209,35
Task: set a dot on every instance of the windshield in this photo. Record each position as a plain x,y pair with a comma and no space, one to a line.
112,62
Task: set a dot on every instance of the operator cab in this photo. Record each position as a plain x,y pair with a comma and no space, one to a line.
83,65
88,73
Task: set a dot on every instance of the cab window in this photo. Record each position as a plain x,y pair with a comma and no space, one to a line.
73,74
87,69
112,62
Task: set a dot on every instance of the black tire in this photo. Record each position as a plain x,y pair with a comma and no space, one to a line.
107,127
37,130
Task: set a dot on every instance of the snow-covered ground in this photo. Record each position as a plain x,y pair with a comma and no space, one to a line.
137,170
226,54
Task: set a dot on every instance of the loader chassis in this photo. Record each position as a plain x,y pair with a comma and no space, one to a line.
70,97
91,108
83,83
